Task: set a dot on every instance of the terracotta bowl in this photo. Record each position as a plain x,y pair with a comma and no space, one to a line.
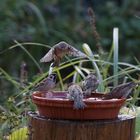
59,107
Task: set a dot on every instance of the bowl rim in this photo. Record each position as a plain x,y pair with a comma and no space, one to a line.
58,102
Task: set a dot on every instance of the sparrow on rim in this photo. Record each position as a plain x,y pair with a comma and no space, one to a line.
58,51
46,84
90,84
75,94
121,91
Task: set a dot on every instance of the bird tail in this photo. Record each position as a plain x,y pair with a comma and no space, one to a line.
130,85
79,104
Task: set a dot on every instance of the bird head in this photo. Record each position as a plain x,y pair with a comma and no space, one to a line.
53,77
70,84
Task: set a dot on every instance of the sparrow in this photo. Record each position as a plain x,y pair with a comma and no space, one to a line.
46,84
90,84
58,51
121,91
75,94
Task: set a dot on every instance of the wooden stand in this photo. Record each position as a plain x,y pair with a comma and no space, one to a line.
122,128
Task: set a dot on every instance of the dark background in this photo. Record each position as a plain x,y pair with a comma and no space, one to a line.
51,21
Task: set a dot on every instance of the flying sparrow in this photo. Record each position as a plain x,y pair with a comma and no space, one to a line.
121,91
58,51
90,84
75,94
46,84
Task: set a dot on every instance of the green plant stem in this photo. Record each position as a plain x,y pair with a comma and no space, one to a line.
115,59
27,89
90,56
27,52
9,78
60,78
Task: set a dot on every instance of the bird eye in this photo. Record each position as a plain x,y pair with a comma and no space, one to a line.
51,76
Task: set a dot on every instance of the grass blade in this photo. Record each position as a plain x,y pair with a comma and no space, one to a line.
90,56
79,71
60,78
9,78
27,52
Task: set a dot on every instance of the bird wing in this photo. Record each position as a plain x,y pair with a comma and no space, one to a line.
41,84
48,57
74,52
68,49
122,91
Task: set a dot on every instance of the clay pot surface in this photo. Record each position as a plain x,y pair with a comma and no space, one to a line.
56,106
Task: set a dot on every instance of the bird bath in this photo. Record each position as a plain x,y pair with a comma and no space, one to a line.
79,102
57,106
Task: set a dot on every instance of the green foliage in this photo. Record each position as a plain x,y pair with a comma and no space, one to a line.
20,134
24,22
14,112
134,112
51,21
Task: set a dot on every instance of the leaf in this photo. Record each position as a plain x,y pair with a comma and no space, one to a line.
79,71
87,50
20,134
91,58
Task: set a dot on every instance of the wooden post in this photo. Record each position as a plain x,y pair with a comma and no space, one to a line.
122,128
